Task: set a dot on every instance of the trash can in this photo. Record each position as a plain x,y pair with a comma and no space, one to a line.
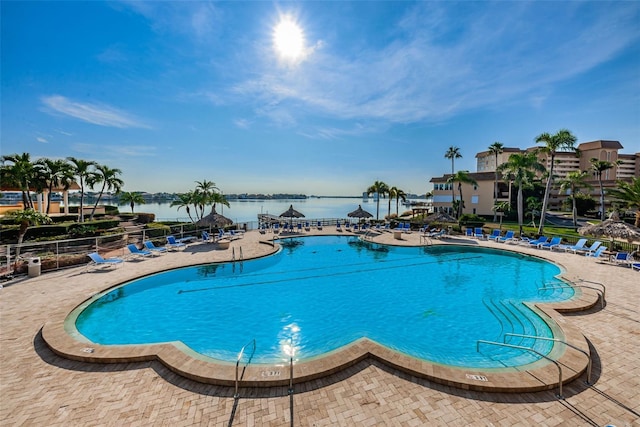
34,267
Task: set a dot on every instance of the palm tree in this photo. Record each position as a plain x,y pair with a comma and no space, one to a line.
399,195
382,189
461,177
21,174
453,153
132,198
219,198
628,193
26,218
563,141
598,167
83,169
574,182
55,173
207,190
109,179
520,168
503,207
184,200
496,149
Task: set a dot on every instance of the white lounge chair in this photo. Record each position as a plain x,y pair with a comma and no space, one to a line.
137,253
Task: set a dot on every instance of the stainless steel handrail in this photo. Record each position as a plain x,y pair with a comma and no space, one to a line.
533,351
253,341
589,365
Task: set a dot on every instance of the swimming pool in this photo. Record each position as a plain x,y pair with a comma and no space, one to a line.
319,294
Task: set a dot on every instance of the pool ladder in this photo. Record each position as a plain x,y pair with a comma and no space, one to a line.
233,254
251,343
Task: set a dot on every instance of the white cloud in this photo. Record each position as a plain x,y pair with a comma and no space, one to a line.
97,114
117,151
41,139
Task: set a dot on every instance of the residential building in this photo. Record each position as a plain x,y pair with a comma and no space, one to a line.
478,199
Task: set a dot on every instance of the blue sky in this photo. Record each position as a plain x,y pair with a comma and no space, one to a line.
174,92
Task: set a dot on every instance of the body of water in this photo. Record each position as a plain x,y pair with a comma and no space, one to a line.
248,210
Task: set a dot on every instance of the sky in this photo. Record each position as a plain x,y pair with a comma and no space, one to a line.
320,97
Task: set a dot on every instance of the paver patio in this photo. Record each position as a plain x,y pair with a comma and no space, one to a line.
38,387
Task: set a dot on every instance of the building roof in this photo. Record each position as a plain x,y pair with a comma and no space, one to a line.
478,176
594,145
504,150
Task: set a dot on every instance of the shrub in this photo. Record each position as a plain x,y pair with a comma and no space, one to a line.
471,220
146,218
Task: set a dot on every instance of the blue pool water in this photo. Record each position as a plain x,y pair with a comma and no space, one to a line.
321,293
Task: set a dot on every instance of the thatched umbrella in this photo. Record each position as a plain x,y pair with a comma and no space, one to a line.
291,213
440,217
359,213
613,228
214,219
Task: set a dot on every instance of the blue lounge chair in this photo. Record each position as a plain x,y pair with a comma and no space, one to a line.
135,252
595,255
307,227
622,258
478,233
469,232
507,237
635,266
153,248
539,241
555,241
594,247
172,243
98,261
206,237
406,227
577,247
319,226
347,226
338,226
494,235
299,228
276,228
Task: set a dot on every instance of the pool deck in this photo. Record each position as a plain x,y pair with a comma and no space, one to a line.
38,387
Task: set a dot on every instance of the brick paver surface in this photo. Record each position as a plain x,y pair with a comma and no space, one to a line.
39,388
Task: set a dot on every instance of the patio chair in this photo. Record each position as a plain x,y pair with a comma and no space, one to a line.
508,237
635,266
319,226
307,227
138,253
539,241
98,261
469,232
555,241
338,226
172,243
577,247
478,233
157,250
494,235
406,227
622,258
597,254
594,247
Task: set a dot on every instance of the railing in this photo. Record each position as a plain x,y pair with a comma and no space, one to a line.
533,351
562,285
589,365
253,341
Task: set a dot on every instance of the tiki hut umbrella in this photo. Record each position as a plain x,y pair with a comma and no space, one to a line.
613,228
215,219
291,213
359,213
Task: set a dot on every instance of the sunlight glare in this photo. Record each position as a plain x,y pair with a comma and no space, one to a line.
288,39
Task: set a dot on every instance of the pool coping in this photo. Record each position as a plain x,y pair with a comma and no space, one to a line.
540,375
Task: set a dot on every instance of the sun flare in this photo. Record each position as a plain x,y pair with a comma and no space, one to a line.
288,39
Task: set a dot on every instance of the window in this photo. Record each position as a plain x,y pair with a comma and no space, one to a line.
474,200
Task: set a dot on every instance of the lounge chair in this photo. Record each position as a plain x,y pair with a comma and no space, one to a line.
338,226
307,227
236,234
135,252
347,226
319,226
406,227
206,237
577,247
172,243
635,266
97,261
508,237
494,235
299,228
153,248
594,247
595,255
276,228
469,232
555,241
478,233
539,241
622,258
